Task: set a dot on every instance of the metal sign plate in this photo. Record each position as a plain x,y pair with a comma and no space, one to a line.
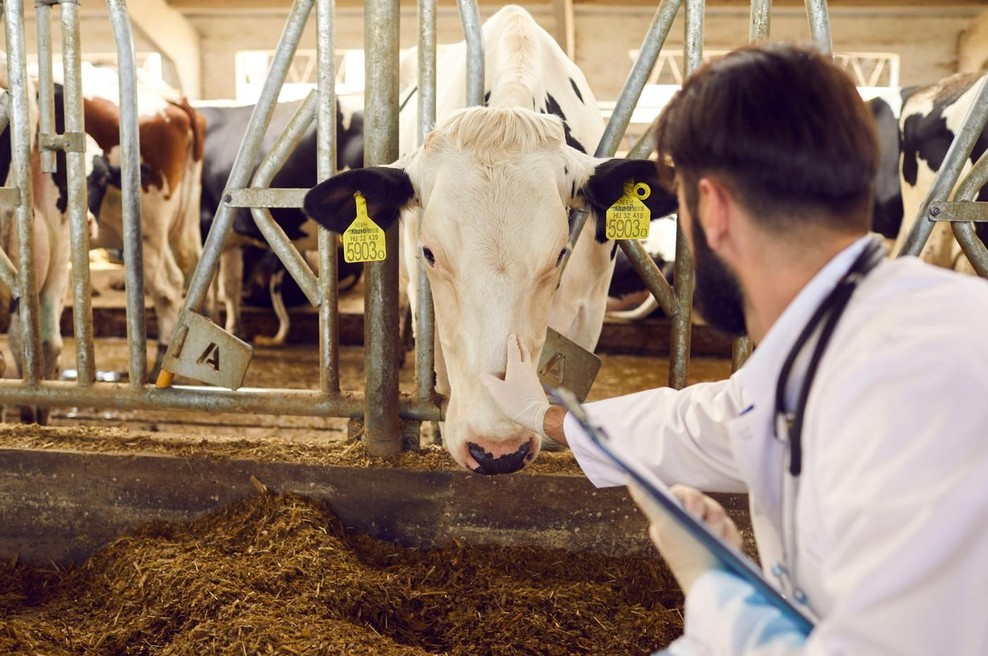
564,363
208,353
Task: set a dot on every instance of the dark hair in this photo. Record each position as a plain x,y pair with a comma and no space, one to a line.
783,127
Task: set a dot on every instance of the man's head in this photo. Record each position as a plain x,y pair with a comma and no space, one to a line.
785,133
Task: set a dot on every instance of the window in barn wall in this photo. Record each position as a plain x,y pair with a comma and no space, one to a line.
150,65
252,67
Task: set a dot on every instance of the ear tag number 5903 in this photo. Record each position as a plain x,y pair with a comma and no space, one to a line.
363,241
629,217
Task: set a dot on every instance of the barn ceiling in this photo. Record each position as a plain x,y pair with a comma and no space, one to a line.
194,5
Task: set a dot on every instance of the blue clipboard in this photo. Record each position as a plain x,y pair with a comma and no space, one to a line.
727,556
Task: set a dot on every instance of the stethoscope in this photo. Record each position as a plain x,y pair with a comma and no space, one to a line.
789,425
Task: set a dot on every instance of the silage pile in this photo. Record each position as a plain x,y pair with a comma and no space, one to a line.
277,574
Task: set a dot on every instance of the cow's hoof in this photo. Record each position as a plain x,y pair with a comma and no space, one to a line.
35,415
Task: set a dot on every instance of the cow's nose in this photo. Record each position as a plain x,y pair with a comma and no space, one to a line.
503,464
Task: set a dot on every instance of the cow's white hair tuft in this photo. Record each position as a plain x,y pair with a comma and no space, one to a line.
493,133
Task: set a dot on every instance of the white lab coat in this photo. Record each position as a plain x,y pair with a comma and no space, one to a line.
891,514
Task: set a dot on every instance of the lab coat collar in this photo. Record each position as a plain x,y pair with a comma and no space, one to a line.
761,372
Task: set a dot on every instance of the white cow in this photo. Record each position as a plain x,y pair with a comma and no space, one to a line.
495,184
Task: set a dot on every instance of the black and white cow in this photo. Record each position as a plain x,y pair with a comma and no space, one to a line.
916,127
242,267
495,184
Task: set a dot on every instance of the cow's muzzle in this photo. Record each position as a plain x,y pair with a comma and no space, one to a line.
504,464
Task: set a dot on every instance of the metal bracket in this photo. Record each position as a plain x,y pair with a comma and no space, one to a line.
70,142
205,352
564,363
959,211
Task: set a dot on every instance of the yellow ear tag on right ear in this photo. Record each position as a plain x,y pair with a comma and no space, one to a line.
363,241
629,217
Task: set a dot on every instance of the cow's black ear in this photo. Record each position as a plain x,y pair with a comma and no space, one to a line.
387,191
606,185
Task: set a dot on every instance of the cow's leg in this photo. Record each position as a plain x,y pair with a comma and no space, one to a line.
163,282
231,278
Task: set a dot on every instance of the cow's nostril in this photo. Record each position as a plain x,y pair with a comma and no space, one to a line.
505,464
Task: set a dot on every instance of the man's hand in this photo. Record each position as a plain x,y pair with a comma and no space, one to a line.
520,395
682,552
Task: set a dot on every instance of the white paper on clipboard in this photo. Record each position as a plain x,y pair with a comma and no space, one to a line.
726,555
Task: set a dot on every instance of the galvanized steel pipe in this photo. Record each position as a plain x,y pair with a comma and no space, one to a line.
819,17
381,423
425,328
761,20
474,36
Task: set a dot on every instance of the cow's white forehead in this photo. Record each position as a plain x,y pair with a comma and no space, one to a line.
497,133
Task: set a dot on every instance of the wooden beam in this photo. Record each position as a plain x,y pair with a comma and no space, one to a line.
565,26
165,26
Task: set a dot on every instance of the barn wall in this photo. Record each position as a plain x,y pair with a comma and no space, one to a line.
927,39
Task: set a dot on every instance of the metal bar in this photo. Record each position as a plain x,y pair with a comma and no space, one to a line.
472,32
425,327
819,17
382,434
46,103
130,189
973,247
682,323
247,155
959,211
75,164
20,169
649,272
120,396
950,170
264,197
326,144
273,233
761,20
654,39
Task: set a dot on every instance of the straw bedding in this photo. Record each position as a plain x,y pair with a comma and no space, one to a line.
278,574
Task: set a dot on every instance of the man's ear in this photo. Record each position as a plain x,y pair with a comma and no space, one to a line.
387,191
606,185
714,202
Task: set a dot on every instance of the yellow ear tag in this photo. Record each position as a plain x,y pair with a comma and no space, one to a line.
363,241
629,217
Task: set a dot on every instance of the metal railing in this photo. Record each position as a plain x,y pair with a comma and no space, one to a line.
380,405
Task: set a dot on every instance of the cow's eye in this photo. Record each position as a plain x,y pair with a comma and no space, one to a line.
429,257
562,254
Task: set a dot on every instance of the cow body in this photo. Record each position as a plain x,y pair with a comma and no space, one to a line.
494,185
171,136
51,237
239,267
916,127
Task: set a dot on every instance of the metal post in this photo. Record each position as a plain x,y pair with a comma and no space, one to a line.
20,169
381,424
75,174
130,190
816,12
425,328
682,328
46,107
472,32
761,19
329,291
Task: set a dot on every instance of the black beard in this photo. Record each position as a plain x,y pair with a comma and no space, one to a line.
718,296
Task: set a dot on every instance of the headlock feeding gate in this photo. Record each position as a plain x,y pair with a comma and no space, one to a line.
200,349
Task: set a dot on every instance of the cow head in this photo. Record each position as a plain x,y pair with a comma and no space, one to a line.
495,186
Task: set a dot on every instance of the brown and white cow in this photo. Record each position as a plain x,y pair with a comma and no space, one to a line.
171,143
495,185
